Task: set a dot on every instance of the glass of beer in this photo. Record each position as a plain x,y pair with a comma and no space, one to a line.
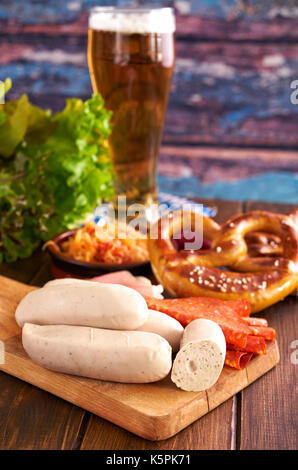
131,55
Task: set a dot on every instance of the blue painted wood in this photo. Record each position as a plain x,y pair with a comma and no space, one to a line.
55,11
230,173
235,92
271,187
253,10
211,19
222,93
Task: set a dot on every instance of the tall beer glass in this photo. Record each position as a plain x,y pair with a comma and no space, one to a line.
131,55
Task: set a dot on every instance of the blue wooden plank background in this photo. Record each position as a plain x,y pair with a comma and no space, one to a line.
55,11
235,64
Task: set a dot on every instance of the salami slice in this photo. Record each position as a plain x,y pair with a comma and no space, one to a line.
254,321
254,344
237,359
242,333
240,306
188,309
264,331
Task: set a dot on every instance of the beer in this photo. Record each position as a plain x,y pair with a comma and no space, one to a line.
131,56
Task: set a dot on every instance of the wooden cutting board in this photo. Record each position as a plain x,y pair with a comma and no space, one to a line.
153,411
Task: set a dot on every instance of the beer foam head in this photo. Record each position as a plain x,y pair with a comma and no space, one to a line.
141,21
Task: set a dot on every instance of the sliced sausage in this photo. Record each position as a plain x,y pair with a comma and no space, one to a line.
200,359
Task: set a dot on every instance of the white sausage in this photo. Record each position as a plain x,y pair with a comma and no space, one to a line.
118,356
200,360
67,281
156,290
165,326
84,303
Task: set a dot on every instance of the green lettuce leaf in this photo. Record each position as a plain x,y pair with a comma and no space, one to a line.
54,170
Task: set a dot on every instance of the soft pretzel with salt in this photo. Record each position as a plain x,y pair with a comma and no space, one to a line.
189,273
262,244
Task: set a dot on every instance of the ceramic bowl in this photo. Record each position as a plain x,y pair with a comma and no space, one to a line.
82,268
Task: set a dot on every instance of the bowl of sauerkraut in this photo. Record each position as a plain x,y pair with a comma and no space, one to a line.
93,248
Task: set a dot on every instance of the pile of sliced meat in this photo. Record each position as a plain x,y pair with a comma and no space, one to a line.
245,336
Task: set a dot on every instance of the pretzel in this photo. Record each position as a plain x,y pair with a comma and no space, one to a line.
294,216
199,273
262,244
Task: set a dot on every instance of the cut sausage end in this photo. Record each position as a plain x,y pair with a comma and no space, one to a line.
199,362
197,366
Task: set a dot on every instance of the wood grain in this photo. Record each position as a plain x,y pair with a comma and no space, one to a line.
277,157
269,406
195,26
154,411
205,434
101,433
269,401
226,164
223,92
221,19
31,418
23,270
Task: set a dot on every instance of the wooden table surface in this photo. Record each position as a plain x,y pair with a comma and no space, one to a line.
262,416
